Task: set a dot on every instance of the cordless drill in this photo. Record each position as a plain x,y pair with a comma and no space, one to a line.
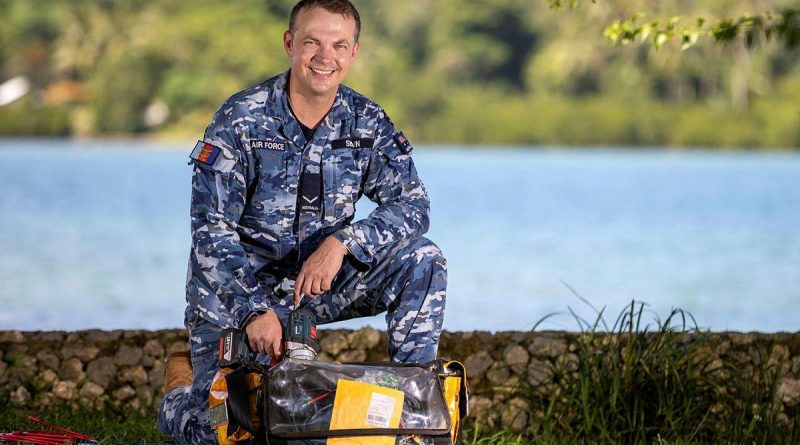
299,341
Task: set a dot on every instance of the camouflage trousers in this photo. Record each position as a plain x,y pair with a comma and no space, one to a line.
407,280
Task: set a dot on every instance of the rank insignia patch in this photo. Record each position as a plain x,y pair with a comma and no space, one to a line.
403,143
205,153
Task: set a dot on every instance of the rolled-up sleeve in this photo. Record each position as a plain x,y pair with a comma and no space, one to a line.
392,182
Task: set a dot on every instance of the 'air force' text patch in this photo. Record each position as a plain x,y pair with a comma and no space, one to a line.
403,143
205,153
267,145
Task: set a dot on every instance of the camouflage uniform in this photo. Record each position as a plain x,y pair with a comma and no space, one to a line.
253,227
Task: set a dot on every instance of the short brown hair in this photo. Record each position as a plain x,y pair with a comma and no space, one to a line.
343,7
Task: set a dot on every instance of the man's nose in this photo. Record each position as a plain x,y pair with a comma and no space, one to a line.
324,53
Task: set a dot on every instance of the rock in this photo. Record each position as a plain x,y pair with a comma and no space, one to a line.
154,348
45,380
128,356
148,361
568,362
128,335
547,346
795,366
44,399
101,371
365,338
789,392
741,339
136,376
324,357
498,373
538,372
156,376
779,356
178,346
83,353
72,370
352,356
12,337
91,390
3,367
477,364
65,390
25,369
479,406
124,393
515,414
144,395
48,359
20,397
97,336
516,357
333,343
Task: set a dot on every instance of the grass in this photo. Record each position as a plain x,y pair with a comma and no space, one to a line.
107,427
656,382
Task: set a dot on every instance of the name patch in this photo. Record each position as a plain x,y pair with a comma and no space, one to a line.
267,145
205,153
352,143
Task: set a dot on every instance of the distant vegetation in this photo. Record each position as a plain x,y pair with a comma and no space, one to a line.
448,71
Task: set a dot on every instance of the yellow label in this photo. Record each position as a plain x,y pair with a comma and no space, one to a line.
362,406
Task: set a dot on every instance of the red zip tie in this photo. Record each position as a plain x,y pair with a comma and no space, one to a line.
70,433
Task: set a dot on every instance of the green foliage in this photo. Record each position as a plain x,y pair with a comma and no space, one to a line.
25,118
123,88
452,71
640,382
783,26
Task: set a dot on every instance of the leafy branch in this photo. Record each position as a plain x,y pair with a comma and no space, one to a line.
753,29
783,26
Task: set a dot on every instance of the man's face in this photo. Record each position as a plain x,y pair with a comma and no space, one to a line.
322,48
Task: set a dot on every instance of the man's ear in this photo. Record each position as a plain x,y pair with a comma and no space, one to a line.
287,43
356,48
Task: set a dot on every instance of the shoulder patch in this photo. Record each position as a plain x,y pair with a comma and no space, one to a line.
403,143
205,153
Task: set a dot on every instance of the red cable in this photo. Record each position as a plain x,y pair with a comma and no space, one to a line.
63,437
68,432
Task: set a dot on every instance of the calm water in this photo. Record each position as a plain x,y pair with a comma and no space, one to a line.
98,237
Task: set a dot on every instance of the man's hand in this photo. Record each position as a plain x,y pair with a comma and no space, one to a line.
320,268
264,333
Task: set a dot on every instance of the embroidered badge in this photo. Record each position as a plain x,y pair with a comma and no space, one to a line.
267,145
205,153
352,143
403,143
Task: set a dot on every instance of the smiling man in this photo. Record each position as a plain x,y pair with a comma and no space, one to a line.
276,178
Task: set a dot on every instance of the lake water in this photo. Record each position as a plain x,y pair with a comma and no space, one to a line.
96,235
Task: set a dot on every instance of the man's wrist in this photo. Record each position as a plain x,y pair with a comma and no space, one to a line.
338,245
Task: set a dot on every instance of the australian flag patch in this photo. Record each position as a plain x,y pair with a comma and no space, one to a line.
205,153
402,142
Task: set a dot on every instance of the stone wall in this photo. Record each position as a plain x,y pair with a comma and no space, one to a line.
125,368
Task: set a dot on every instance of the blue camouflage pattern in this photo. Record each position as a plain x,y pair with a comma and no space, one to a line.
249,240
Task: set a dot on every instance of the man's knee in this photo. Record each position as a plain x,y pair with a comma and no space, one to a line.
424,253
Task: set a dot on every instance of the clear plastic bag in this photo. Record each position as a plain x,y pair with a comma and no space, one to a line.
312,399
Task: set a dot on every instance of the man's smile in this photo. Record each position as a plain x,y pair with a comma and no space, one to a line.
322,72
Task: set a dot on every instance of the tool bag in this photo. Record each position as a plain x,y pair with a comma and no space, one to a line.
313,402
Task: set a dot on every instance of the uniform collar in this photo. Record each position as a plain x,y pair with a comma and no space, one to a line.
278,107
